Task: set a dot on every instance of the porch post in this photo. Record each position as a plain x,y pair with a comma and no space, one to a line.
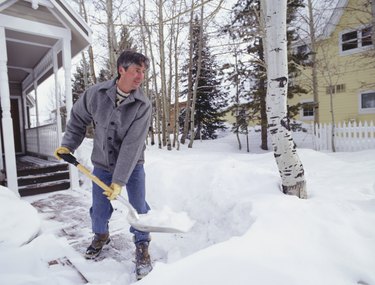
7,123
67,64
57,96
35,84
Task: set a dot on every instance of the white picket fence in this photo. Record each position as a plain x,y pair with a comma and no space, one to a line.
347,136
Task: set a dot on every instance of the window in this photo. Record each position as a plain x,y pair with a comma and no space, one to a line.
356,40
339,88
349,41
367,102
307,110
366,37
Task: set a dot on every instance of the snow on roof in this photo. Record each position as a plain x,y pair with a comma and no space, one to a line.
326,14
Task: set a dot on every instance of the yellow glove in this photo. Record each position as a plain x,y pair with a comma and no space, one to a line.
116,190
61,150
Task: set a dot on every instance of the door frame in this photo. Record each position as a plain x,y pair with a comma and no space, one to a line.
21,126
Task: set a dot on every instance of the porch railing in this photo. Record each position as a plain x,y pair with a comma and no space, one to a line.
42,140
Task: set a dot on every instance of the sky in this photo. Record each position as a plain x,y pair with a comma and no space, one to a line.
245,232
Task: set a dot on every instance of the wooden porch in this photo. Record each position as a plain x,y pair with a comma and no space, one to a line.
38,40
38,176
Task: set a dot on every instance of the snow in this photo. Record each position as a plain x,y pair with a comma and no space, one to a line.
164,220
246,231
11,207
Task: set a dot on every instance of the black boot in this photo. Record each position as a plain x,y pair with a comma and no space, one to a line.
143,264
98,241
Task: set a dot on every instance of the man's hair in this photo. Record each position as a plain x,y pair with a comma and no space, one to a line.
129,57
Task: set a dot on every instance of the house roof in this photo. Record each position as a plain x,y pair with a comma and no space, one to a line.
326,16
334,19
33,28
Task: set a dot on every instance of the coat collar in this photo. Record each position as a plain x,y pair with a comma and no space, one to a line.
110,89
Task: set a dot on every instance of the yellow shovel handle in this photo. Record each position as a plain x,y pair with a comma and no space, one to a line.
94,178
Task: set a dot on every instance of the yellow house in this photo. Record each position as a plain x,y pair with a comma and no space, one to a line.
345,60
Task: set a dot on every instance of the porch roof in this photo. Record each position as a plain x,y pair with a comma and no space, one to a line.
28,46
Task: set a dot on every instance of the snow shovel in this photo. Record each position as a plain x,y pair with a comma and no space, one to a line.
154,221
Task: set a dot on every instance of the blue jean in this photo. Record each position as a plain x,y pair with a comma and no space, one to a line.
101,209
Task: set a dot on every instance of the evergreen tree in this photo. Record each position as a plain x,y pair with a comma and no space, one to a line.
104,73
125,42
246,27
79,86
295,58
211,100
78,81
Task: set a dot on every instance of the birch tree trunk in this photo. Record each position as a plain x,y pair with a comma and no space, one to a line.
176,124
331,73
112,42
83,13
287,160
190,76
142,20
163,90
195,89
236,82
154,76
313,62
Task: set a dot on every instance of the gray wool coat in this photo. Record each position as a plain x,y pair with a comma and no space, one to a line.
120,132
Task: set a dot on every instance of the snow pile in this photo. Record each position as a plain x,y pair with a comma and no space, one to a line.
20,222
246,231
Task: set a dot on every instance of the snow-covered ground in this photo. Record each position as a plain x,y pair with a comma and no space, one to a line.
246,230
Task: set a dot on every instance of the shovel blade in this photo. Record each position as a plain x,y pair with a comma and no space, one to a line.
156,229
162,221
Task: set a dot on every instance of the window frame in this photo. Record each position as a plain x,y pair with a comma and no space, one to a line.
301,113
360,47
365,110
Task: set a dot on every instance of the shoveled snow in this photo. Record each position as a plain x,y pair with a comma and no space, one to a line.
164,220
246,230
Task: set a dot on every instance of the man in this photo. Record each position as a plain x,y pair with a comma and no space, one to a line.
121,116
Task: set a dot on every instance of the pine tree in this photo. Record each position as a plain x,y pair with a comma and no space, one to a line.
211,100
246,27
125,42
295,58
79,86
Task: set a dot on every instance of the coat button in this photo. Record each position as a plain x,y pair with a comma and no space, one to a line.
109,138
111,164
112,123
110,152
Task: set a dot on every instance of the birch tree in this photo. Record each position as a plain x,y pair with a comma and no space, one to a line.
287,160
176,125
190,78
83,13
111,38
313,49
195,88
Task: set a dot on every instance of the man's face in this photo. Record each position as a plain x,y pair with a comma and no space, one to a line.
131,78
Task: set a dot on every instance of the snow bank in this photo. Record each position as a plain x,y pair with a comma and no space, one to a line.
20,222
